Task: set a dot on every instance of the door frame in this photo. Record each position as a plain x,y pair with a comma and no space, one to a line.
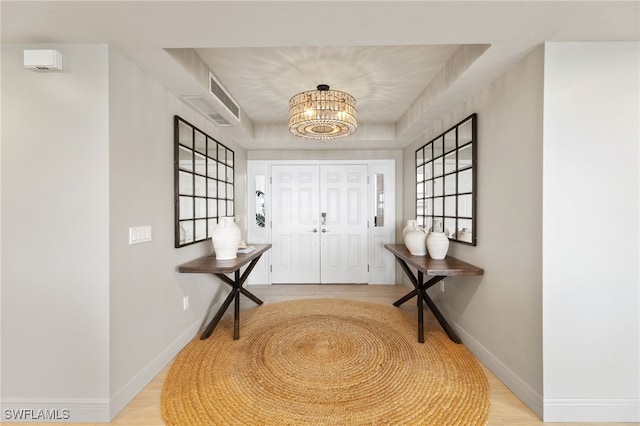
381,262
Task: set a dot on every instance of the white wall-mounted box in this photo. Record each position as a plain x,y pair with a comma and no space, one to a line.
139,234
43,60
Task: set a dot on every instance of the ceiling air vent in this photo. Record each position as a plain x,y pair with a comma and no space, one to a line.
205,107
218,92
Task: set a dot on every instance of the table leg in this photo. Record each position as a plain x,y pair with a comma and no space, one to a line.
236,310
420,290
420,310
405,297
234,295
250,296
218,316
436,312
411,277
443,322
242,290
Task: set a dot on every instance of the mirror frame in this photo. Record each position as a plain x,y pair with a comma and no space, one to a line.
199,207
431,190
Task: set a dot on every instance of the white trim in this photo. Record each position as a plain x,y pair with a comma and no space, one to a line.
94,410
511,380
129,391
591,410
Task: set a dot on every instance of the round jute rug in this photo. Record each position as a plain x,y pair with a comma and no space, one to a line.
325,362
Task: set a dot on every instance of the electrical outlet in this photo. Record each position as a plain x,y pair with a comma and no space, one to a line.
185,303
442,286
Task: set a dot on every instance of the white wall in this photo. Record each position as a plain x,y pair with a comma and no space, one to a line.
591,210
499,315
88,320
55,231
148,325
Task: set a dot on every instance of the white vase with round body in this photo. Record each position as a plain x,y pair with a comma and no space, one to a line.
437,245
226,239
415,240
412,224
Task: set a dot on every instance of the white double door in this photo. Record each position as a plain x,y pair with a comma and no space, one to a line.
319,224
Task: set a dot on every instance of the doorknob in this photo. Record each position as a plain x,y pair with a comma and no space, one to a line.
314,230
324,230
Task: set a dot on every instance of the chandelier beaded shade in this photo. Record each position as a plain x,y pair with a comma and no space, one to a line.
322,114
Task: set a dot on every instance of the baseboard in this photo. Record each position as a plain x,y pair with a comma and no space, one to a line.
54,410
519,387
591,410
85,410
151,370
558,410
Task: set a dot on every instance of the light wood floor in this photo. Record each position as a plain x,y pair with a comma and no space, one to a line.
506,409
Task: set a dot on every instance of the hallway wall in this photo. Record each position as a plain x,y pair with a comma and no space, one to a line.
499,315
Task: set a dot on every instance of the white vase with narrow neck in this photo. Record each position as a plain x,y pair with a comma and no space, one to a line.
415,241
437,245
412,224
226,239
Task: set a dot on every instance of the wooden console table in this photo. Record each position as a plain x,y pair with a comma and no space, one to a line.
211,265
439,270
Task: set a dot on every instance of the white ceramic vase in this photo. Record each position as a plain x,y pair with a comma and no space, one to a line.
415,241
226,239
412,224
437,245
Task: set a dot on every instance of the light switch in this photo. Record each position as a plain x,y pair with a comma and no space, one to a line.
139,234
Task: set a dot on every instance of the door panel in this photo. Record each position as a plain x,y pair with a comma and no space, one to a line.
343,247
296,250
332,200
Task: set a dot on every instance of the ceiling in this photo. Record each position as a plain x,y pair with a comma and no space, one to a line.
408,64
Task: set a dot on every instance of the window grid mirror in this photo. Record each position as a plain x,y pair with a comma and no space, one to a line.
446,182
204,178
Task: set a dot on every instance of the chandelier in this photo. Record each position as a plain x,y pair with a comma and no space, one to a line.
322,114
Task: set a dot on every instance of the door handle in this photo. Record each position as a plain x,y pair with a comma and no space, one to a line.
324,230
314,230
